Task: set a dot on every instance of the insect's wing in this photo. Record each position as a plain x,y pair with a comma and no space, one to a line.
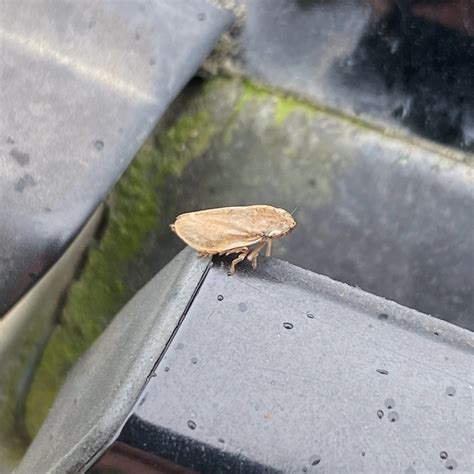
217,230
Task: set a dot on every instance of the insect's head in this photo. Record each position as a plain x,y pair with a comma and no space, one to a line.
283,225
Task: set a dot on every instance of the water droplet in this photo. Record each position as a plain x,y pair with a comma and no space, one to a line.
310,315
380,414
191,425
25,181
167,369
382,371
152,61
220,297
242,307
450,391
451,464
305,469
436,333
194,360
410,470
221,440
288,325
22,158
99,145
362,453
392,416
315,460
153,374
443,455
201,16
390,403
382,316
350,62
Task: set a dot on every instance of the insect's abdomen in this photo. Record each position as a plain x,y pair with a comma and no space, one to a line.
213,234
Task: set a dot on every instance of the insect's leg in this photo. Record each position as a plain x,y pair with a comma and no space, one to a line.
269,248
243,253
254,254
236,250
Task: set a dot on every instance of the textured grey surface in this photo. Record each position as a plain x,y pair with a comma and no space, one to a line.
104,385
81,86
282,366
277,365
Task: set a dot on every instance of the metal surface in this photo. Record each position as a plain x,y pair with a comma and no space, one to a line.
277,367
104,385
81,86
290,370
406,64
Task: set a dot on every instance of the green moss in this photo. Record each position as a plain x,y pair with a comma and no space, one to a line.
286,103
15,363
93,300
283,104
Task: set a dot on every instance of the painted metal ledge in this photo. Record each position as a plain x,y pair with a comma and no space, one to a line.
277,369
82,84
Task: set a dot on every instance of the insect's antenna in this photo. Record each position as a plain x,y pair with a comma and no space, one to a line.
294,210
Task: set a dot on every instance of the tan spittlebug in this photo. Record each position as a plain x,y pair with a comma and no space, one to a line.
241,230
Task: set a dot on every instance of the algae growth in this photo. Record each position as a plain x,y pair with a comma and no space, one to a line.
283,104
101,290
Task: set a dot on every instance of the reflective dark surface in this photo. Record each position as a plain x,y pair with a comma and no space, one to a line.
425,52
122,458
144,448
404,63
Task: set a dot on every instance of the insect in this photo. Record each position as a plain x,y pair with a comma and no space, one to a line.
241,230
